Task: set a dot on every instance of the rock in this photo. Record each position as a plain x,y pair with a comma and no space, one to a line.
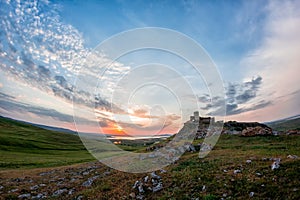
13,190
225,171
293,132
80,197
158,187
203,188
146,178
106,173
264,159
42,185
18,180
258,174
255,131
189,147
251,194
248,161
59,192
1,187
140,197
47,173
24,196
155,176
71,191
206,147
162,171
90,181
275,164
136,184
132,195
39,196
85,173
237,171
140,188
35,187
292,156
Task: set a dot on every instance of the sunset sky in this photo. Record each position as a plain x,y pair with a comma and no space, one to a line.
44,44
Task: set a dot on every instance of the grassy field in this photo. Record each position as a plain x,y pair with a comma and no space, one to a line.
286,125
213,177
23,145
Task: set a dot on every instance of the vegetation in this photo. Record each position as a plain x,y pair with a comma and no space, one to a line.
237,168
284,125
23,145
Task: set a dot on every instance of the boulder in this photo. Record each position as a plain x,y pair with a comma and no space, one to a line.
256,131
275,164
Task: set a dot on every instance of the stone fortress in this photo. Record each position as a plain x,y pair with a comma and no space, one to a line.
202,122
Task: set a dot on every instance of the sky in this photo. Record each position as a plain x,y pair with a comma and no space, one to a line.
47,46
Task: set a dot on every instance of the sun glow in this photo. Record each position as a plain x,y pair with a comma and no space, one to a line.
119,128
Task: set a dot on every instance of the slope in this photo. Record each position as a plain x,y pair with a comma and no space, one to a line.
24,145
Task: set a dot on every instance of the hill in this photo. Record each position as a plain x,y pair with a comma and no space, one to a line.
291,123
25,145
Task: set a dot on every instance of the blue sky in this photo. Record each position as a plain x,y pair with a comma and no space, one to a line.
44,45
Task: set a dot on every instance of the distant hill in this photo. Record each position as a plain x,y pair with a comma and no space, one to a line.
51,128
290,123
25,145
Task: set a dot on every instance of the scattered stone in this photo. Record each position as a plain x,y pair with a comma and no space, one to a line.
155,176
85,173
248,161
136,184
258,174
18,180
47,173
24,196
79,197
206,147
189,147
35,187
90,181
203,188
237,171
71,191
224,195
1,187
251,194
158,187
264,159
276,164
59,192
292,156
225,171
132,195
13,190
39,196
146,178
162,171
140,197
140,188
106,173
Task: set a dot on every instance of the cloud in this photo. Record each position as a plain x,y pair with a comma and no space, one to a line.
10,104
277,60
238,96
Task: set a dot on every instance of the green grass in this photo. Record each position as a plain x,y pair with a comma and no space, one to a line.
23,145
292,124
